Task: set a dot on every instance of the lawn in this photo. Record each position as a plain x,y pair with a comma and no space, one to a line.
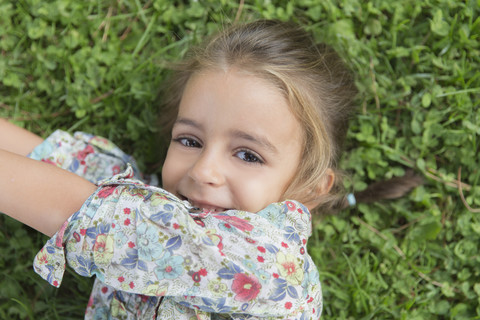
96,66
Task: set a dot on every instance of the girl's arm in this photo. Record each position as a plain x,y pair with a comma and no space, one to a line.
16,139
38,194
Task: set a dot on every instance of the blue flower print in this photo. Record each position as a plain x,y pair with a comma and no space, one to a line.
120,238
101,313
192,291
149,248
310,278
250,265
262,275
43,150
274,215
169,267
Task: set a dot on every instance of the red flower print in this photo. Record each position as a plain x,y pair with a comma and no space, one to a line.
126,211
116,169
42,259
176,226
132,285
275,275
261,249
126,222
104,290
310,300
246,287
284,245
81,155
302,250
55,283
288,305
196,277
121,279
83,231
106,191
131,244
304,241
200,223
260,259
290,205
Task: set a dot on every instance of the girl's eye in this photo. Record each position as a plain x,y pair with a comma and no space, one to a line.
249,157
188,142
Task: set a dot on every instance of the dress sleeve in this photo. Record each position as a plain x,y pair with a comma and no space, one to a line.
89,156
143,240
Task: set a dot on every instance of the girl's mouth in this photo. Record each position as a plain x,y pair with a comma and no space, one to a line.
205,207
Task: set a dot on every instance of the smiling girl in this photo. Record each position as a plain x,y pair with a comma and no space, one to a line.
257,117
235,143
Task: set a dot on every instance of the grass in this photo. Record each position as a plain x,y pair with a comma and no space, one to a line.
96,66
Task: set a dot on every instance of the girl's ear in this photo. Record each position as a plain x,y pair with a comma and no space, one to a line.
323,188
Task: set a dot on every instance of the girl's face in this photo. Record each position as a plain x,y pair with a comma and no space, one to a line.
235,143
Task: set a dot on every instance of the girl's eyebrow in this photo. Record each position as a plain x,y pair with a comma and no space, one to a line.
257,139
188,122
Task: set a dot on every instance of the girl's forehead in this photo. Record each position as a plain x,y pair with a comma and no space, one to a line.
233,86
237,101
240,77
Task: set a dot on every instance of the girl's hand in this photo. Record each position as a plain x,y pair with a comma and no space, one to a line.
16,139
38,194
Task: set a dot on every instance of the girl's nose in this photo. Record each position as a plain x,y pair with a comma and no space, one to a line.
207,169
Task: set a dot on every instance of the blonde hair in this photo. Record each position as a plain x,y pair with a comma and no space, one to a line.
311,76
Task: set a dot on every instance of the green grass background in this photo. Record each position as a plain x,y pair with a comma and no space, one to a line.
97,65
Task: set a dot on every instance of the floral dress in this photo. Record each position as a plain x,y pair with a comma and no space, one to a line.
157,257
